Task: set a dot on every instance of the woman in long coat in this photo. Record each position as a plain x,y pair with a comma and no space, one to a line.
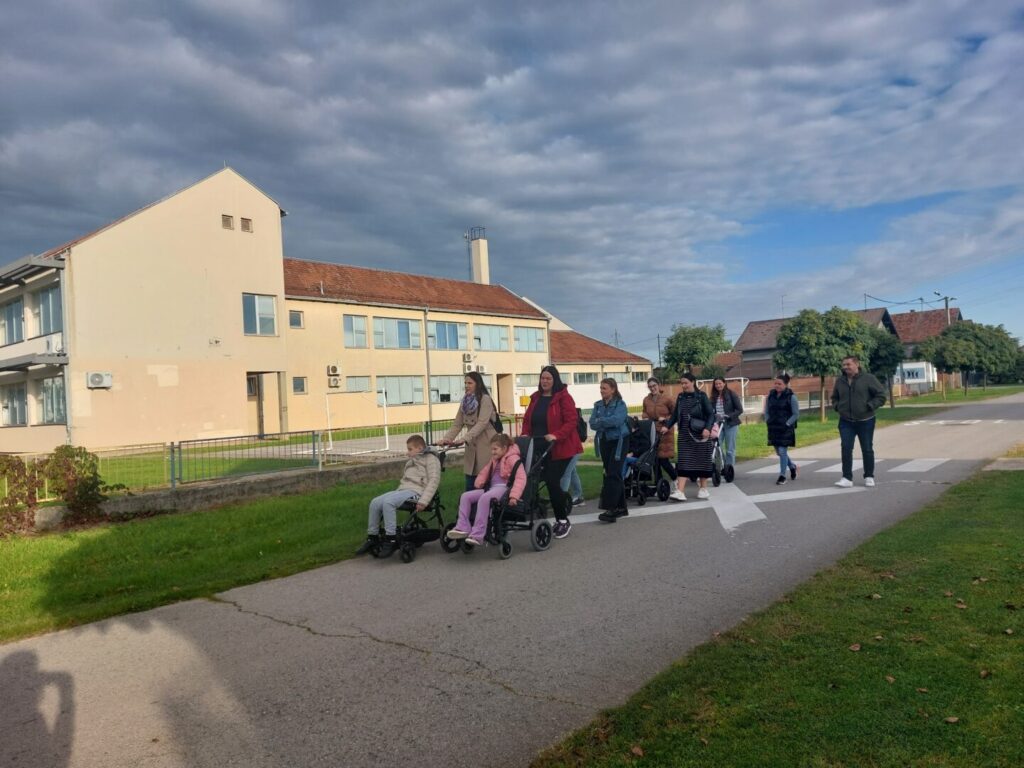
658,406
695,417
476,414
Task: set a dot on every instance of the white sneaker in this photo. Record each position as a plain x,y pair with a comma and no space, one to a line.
677,495
703,494
474,542
455,534
844,483
869,482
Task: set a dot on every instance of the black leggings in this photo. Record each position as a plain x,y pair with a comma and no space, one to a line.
668,466
613,492
553,471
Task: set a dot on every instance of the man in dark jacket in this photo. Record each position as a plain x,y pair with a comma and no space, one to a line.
857,396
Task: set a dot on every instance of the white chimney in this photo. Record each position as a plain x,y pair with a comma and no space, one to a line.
479,265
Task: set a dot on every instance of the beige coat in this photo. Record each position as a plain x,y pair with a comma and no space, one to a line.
423,475
657,409
478,435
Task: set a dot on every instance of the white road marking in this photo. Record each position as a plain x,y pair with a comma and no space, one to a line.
734,507
773,469
806,493
857,464
919,465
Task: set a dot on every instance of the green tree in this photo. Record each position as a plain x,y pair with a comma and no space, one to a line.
690,345
712,371
951,354
997,352
814,344
886,356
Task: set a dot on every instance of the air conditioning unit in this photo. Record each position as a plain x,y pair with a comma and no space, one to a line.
333,370
54,345
467,358
467,368
333,381
99,380
481,369
629,369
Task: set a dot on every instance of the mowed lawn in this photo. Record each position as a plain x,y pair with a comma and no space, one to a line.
909,652
954,396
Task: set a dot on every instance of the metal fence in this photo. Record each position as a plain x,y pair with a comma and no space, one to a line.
193,461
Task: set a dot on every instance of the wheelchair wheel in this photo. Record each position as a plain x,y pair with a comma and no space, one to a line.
716,476
730,473
408,553
664,490
449,545
506,549
466,547
540,536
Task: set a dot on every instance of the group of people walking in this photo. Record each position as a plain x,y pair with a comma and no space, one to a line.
552,421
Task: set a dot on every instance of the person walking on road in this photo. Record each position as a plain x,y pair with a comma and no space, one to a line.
476,415
658,407
608,420
551,418
781,413
695,417
728,409
857,396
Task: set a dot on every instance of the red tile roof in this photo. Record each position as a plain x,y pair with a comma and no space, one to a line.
762,334
915,327
342,282
572,348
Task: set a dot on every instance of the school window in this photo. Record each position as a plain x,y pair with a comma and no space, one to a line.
621,377
529,339
296,319
400,390
447,389
258,315
527,379
48,310
355,331
446,335
490,338
13,402
246,225
299,385
252,385
392,333
12,322
357,383
584,378
228,222
51,398
640,377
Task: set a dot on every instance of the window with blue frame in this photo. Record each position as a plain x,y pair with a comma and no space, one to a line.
442,335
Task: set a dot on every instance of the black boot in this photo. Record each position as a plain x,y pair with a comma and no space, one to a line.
608,517
387,547
371,541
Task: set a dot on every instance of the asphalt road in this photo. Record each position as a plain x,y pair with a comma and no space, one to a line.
462,660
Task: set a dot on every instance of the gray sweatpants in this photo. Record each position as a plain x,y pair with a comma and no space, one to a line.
386,505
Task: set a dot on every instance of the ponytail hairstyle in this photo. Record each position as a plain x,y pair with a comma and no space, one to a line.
503,440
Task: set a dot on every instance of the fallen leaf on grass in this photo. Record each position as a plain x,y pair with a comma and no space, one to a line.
855,647
985,673
907,609
922,690
646,706
704,741
1008,631
888,576
879,637
915,639
980,580
960,604
951,720
637,751
890,679
876,596
947,593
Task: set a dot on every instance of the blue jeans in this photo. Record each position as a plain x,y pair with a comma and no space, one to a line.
727,438
784,461
863,431
570,482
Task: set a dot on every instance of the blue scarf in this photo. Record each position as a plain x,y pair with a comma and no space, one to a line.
470,404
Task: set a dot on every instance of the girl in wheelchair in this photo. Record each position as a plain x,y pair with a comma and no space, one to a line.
490,486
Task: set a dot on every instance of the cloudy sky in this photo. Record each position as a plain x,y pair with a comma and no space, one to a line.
635,164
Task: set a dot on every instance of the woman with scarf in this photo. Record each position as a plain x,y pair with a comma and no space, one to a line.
608,420
695,417
476,415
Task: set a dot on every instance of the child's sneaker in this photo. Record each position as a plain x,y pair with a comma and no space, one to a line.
371,541
703,494
474,542
781,480
561,529
455,534
677,495
792,472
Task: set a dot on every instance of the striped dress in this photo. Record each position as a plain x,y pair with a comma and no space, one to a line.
694,456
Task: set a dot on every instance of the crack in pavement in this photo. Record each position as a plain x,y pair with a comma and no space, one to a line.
488,677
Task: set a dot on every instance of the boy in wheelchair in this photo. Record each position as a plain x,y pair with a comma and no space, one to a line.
419,483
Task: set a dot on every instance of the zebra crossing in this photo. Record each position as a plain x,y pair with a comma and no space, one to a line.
886,465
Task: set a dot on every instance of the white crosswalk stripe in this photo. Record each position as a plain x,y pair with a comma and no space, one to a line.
773,469
919,465
857,464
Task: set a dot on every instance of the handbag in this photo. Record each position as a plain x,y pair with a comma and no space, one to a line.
496,424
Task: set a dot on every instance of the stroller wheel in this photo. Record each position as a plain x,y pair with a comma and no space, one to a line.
716,477
506,549
729,473
449,545
641,498
664,490
540,536
408,553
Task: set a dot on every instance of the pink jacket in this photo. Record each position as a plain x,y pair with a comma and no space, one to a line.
504,466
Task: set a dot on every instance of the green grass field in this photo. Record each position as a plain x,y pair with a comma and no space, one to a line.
906,653
955,396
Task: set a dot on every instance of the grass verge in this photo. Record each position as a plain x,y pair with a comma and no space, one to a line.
955,396
64,579
906,653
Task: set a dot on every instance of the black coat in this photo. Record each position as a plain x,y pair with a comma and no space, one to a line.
732,405
700,408
778,409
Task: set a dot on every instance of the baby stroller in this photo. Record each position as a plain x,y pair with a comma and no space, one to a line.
421,528
640,471
528,515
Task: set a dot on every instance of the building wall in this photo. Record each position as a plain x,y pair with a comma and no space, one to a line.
585,395
321,342
156,301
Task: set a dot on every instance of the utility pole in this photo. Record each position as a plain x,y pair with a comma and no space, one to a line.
659,350
616,337
865,301
946,299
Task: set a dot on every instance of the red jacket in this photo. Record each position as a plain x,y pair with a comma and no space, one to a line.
561,424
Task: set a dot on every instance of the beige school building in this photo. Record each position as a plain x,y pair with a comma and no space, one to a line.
183,320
